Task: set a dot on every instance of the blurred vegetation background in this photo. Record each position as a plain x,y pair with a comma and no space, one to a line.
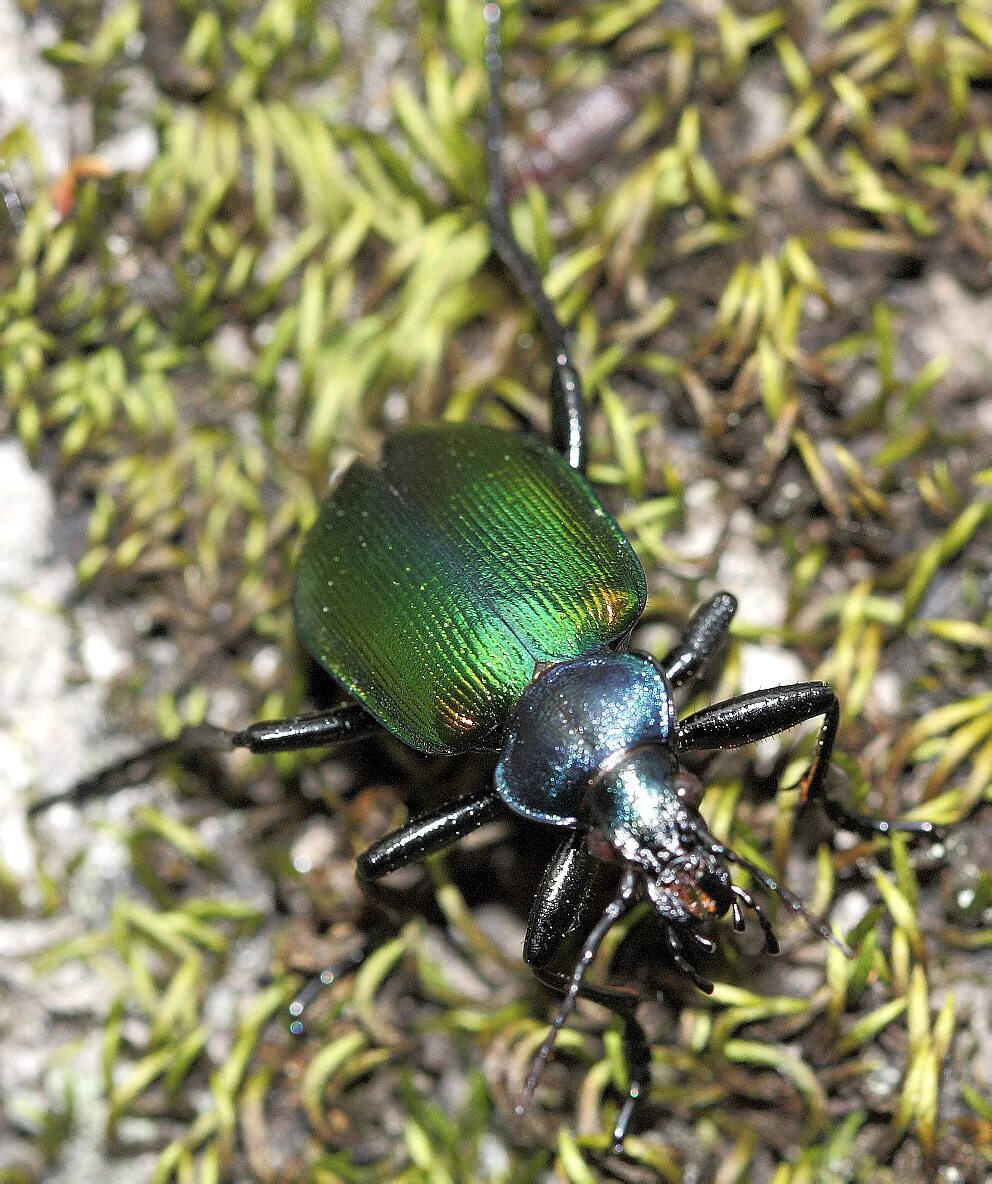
258,244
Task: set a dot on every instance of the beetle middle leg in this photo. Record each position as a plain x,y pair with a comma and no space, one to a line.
420,837
568,433
760,714
428,834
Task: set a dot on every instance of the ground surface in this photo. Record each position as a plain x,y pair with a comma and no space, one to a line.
252,244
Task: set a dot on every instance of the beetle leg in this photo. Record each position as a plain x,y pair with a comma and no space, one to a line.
700,639
418,839
567,411
350,721
612,913
138,767
319,983
558,909
343,724
560,900
759,714
429,833
637,1053
636,1049
771,941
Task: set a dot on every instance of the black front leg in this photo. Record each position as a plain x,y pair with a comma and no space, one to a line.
636,1049
567,410
558,909
760,714
560,900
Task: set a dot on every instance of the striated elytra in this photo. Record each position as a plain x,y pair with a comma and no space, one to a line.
433,587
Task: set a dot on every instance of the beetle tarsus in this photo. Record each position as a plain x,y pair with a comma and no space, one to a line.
136,768
638,1056
342,725
318,983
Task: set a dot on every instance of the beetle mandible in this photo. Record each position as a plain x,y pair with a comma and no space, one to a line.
473,593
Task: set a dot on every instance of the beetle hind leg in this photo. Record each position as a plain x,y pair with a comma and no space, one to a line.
568,433
420,837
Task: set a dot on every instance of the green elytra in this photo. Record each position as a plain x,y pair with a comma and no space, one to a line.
432,587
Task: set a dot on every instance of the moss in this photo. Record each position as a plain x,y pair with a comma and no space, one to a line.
753,260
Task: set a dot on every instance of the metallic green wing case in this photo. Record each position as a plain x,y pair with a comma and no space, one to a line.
431,587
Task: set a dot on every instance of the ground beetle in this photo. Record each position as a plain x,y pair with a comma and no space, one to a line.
473,593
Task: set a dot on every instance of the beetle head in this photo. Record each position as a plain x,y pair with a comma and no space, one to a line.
643,808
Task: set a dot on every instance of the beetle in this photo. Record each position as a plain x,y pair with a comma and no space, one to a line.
473,593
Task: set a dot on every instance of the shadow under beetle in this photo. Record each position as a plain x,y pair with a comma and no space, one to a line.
473,593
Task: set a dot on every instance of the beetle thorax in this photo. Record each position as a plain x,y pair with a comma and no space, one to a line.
573,720
589,747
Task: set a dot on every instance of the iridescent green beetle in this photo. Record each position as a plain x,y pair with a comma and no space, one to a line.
472,592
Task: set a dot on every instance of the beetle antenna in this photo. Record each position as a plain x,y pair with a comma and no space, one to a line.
613,912
772,885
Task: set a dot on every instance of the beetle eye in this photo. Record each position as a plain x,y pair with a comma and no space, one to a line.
689,788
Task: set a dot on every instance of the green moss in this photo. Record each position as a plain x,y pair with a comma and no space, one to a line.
749,264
